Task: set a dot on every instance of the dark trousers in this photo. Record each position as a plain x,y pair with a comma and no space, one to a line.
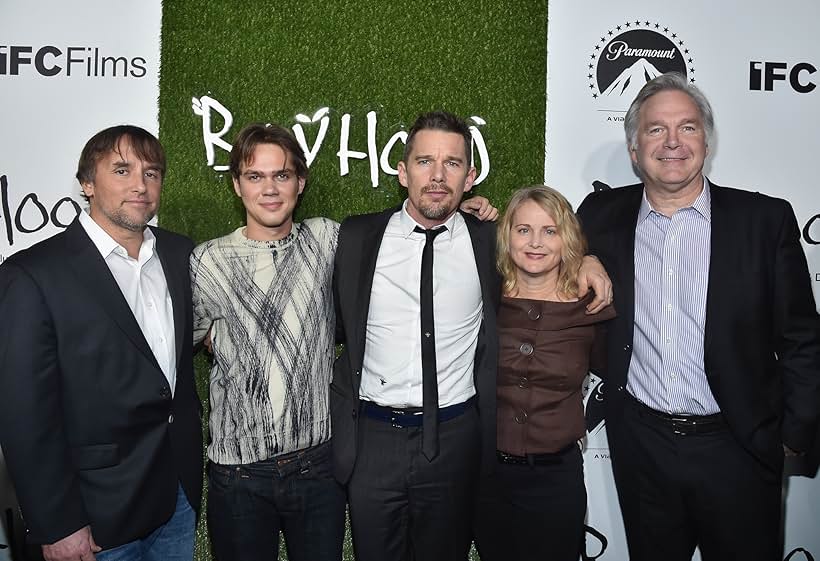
533,512
681,491
249,504
406,508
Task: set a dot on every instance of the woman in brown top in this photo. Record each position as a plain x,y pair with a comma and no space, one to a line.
533,505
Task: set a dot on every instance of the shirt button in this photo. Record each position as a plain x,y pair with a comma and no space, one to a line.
354,414
627,347
170,418
534,313
520,418
165,392
523,382
526,349
669,307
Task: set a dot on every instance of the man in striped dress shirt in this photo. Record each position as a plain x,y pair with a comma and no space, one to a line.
714,360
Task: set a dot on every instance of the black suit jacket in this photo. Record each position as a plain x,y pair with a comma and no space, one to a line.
359,241
90,431
762,333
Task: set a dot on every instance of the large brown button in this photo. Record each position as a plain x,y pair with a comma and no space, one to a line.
534,313
526,349
520,417
523,382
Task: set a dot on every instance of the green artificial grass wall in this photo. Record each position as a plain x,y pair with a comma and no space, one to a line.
268,61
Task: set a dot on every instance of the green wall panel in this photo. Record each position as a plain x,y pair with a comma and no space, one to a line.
268,61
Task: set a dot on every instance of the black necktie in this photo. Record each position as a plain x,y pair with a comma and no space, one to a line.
429,435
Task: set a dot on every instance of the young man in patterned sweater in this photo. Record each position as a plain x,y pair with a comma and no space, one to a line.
264,291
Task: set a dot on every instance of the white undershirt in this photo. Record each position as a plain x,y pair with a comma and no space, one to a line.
391,372
142,282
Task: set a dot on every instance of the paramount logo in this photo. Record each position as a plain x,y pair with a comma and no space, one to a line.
616,49
627,56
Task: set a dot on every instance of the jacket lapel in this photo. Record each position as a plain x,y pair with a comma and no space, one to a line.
370,244
484,262
176,290
623,243
721,259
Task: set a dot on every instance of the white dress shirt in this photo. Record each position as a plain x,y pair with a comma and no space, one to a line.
392,372
667,370
142,282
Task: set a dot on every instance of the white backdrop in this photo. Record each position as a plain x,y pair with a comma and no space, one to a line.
767,140
67,70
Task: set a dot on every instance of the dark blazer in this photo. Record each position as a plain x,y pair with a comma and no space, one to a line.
90,431
762,333
359,241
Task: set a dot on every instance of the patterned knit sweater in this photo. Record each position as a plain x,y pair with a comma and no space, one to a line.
270,307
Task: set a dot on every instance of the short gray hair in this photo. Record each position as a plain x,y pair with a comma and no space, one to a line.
671,81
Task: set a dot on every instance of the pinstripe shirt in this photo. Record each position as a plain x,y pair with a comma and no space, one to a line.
671,281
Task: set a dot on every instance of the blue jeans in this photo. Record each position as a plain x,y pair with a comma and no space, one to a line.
249,504
173,541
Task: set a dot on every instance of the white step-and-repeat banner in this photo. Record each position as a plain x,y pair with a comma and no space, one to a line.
67,70
758,65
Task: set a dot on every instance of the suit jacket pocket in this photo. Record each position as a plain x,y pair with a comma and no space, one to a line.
96,456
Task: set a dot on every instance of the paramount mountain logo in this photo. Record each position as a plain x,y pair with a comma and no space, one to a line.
631,54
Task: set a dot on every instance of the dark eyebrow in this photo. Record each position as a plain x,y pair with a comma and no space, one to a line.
449,158
129,165
274,172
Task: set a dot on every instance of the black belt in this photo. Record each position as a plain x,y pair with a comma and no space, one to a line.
284,459
412,417
545,459
683,425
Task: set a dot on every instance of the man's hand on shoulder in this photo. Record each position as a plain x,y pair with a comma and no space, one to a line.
593,275
481,208
79,546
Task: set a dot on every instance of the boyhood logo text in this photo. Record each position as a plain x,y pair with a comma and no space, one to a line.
631,54
31,215
212,111
50,60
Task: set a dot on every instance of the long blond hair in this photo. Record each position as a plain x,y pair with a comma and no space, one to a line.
568,226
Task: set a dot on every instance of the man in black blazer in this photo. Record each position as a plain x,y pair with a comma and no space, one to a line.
714,358
403,504
410,487
99,417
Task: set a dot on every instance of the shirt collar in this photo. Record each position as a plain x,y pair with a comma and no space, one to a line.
408,224
702,204
107,245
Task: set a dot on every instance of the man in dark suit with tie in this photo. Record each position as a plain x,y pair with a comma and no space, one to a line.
714,358
99,417
413,394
